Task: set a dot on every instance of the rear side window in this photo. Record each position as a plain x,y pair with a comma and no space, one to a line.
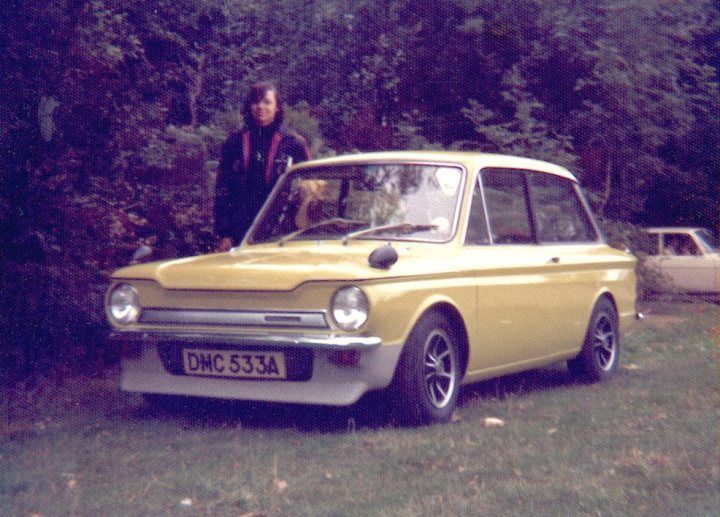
560,214
507,206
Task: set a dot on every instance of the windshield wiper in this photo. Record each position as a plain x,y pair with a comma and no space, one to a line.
339,221
403,228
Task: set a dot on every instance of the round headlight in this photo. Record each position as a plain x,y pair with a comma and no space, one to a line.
350,308
124,304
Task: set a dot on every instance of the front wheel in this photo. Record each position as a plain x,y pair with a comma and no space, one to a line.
598,358
428,374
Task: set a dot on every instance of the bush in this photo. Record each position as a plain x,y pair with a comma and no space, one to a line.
58,263
56,320
626,236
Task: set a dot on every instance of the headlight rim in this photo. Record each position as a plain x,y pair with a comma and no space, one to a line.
361,308
131,312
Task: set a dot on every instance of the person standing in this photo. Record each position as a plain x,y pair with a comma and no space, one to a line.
251,162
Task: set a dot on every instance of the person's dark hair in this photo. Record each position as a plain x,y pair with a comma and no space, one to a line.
257,92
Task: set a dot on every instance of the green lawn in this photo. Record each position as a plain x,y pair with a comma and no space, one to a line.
644,443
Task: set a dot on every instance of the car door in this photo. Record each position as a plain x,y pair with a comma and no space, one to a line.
684,263
528,304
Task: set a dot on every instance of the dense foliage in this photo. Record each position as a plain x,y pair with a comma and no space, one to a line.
114,110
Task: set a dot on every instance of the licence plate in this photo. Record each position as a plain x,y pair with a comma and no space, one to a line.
234,363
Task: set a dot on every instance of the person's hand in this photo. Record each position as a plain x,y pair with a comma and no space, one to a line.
225,244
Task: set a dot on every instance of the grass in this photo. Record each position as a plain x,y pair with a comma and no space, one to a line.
644,443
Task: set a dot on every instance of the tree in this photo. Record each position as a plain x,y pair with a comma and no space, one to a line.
114,111
523,134
642,82
623,80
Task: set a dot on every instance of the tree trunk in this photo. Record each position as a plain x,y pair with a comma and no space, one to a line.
607,182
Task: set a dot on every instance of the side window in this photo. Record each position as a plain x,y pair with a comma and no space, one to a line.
560,215
679,244
507,206
477,228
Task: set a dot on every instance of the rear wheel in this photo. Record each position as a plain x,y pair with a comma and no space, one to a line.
428,374
599,356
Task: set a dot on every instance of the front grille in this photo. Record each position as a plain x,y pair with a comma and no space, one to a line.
256,319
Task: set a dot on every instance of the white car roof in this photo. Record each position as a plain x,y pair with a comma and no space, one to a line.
672,229
473,160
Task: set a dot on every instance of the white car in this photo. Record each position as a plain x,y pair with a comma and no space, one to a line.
688,258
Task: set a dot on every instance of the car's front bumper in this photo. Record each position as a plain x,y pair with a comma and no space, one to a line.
320,342
331,382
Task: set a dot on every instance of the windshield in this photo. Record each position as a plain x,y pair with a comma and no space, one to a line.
369,201
709,241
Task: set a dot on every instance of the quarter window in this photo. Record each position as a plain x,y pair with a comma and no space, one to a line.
477,228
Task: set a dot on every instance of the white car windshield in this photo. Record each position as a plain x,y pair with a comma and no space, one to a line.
709,242
367,201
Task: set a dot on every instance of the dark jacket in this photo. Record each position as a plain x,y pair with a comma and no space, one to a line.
250,164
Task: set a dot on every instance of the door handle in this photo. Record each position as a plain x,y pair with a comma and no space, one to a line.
554,260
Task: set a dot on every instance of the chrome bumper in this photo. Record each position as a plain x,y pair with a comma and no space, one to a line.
325,342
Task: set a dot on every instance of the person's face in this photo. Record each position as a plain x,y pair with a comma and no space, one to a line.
264,110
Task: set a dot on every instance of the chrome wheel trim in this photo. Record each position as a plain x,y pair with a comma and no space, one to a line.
604,343
439,369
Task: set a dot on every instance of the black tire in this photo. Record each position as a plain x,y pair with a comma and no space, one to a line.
427,379
598,359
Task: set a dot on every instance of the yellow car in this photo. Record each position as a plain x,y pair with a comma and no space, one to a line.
409,272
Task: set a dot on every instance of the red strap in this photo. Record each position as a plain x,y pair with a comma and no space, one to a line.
271,156
246,150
